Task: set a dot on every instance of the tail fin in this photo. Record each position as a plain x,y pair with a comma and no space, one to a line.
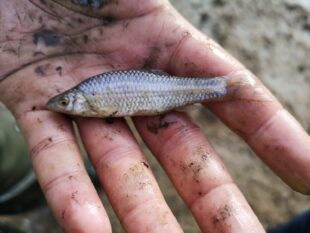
243,85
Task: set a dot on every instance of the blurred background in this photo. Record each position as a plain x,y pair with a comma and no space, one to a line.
272,38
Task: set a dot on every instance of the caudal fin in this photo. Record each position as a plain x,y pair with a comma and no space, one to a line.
243,85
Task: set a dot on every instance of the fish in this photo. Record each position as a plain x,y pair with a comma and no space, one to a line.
136,93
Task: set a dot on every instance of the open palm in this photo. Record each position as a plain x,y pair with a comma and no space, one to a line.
49,46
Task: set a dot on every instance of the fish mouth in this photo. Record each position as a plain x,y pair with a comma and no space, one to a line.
53,105
50,105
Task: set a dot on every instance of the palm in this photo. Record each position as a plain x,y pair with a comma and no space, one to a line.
50,46
57,41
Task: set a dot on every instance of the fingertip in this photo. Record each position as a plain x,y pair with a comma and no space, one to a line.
87,217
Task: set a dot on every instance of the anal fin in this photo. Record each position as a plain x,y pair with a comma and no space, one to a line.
188,108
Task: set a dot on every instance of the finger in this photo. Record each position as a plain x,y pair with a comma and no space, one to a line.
198,174
253,113
61,173
126,177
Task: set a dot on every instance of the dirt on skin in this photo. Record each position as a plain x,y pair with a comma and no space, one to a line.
271,37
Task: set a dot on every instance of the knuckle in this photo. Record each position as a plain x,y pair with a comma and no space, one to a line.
56,181
49,142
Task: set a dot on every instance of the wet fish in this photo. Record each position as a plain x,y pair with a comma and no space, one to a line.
136,93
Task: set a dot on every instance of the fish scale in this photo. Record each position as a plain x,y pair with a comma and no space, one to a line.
141,92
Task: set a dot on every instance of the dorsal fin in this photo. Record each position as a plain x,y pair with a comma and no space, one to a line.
157,72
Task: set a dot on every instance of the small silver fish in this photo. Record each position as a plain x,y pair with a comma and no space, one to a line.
136,93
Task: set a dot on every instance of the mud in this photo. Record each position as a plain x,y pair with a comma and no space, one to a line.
161,123
47,37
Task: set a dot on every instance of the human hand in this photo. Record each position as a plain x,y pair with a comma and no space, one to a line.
48,48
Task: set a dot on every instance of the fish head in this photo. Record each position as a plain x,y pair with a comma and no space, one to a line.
70,102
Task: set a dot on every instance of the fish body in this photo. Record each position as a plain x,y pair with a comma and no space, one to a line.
136,93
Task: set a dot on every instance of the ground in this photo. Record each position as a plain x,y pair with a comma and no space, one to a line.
271,37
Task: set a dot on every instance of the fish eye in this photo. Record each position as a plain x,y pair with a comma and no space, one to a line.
64,101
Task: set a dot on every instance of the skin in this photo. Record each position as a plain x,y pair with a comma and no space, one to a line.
48,48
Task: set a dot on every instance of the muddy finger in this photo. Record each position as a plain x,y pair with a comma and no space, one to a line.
61,173
126,177
198,174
